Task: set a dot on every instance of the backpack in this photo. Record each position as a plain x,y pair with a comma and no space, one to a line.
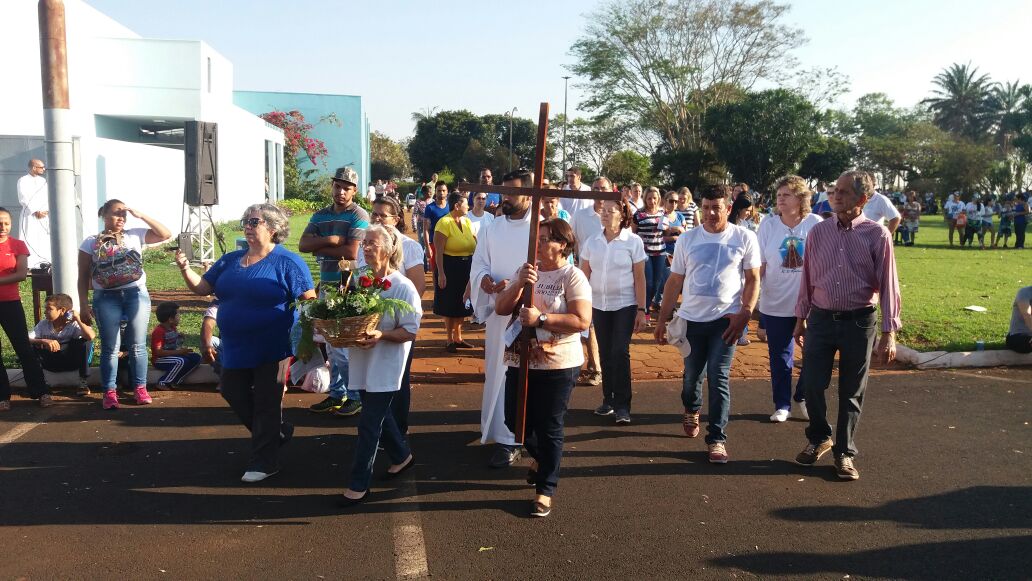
115,265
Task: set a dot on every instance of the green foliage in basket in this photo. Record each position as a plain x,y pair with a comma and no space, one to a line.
359,300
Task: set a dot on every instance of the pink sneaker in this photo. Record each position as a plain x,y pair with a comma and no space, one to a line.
142,397
110,400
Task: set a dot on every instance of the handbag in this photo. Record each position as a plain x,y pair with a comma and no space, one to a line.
115,265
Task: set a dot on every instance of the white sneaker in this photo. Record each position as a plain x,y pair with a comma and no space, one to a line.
743,342
255,476
799,411
779,416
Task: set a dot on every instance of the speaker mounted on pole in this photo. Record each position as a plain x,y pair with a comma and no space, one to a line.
201,187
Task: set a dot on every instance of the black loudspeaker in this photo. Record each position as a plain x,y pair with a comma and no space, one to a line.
201,140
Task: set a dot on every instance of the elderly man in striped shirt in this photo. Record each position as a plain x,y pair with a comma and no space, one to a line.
848,267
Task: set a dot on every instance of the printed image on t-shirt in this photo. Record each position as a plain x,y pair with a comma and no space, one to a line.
710,260
792,249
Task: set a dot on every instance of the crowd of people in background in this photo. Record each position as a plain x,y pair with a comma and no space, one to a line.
695,267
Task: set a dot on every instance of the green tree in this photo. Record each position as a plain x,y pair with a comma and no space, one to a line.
694,168
964,165
661,64
389,159
624,167
764,136
445,138
827,160
961,101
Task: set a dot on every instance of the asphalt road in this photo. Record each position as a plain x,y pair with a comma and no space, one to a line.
154,492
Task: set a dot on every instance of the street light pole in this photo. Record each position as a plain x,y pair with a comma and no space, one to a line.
566,86
510,114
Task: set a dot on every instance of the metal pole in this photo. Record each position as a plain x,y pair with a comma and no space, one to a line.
511,113
566,86
53,56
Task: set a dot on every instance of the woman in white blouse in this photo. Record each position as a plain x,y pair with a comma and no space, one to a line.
378,363
614,262
782,239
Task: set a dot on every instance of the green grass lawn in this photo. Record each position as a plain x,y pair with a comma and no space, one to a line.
937,283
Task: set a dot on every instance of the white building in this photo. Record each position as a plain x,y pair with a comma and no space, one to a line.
129,99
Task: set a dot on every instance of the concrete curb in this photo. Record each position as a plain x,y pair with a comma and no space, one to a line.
202,375
944,359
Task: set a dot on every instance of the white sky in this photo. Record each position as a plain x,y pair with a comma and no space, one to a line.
407,55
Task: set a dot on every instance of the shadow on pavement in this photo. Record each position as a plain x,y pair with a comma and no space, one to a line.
995,558
979,507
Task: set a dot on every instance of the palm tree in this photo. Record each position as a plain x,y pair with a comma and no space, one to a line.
961,102
1006,102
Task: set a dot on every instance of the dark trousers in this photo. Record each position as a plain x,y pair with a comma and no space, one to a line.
1020,342
73,356
1019,233
613,329
548,396
853,340
403,397
376,425
781,348
257,398
12,319
712,356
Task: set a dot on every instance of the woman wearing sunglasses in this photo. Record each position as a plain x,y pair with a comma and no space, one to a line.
112,264
256,289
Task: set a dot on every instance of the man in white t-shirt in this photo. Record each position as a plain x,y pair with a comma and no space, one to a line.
587,224
479,215
573,182
880,209
716,270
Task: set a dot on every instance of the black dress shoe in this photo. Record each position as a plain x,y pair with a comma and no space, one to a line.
388,475
531,476
346,502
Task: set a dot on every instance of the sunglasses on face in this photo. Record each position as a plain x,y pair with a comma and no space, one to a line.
251,222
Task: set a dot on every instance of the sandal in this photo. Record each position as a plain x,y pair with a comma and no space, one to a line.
539,509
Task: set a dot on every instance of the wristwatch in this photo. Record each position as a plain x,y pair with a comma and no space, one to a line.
541,319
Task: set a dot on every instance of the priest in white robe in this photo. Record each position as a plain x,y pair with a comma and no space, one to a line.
501,250
34,223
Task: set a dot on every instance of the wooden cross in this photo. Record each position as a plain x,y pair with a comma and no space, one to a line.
536,193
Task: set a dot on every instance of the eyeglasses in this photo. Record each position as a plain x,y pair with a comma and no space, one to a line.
251,222
382,216
372,244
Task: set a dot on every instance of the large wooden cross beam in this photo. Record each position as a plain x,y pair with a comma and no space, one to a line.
536,193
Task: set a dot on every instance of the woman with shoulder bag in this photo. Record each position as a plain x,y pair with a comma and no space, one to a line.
112,263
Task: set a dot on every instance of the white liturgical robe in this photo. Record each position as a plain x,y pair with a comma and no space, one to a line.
501,250
33,231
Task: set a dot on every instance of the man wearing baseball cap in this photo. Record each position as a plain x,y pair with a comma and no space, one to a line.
333,233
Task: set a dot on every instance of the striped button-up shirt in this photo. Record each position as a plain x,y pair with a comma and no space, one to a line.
850,267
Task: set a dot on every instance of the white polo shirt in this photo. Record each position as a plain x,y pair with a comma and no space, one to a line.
612,269
880,209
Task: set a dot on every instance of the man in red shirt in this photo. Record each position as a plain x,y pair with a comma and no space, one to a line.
848,266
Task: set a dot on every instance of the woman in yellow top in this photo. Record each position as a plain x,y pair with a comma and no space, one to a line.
455,243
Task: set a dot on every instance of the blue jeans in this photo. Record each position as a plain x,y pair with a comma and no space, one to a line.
548,396
712,356
781,348
376,425
110,307
657,269
339,367
614,330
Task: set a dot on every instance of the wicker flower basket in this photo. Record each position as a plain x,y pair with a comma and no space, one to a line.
347,331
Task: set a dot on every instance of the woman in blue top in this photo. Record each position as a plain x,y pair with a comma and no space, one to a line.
256,288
